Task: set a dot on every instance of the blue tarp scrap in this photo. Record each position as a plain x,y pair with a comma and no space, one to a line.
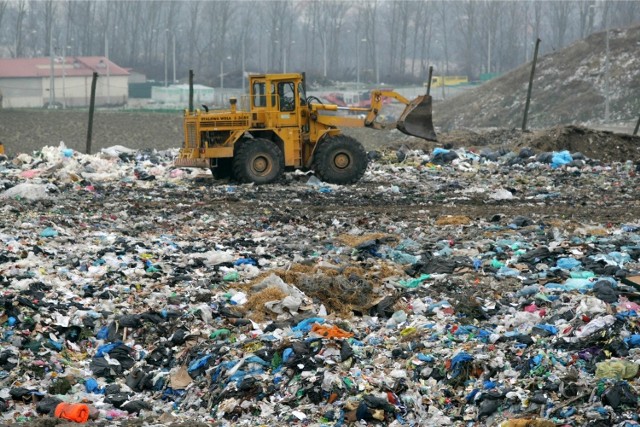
458,361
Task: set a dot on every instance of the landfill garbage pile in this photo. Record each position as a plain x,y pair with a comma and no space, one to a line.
449,287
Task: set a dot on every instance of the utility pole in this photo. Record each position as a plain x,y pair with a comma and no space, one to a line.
92,104
533,72
174,57
64,63
488,52
221,73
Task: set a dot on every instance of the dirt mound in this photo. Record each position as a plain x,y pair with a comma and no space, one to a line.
569,88
601,145
595,144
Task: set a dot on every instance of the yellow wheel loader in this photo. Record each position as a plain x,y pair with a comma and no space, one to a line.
285,128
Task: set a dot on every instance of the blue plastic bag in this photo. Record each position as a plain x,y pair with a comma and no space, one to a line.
457,362
198,363
305,325
560,159
632,341
568,263
106,349
549,328
91,385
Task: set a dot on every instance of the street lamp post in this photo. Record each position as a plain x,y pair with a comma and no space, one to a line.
324,55
488,53
52,87
173,57
64,63
222,71
284,55
106,54
165,60
358,63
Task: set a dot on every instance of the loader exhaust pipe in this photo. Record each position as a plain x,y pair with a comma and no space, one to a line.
191,91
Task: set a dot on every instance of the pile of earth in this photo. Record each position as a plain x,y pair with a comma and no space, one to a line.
570,87
596,144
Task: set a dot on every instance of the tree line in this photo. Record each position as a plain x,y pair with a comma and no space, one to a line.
369,40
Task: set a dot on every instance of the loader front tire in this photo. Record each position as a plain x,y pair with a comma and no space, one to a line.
340,159
259,161
221,169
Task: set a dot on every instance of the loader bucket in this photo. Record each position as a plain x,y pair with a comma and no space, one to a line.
416,119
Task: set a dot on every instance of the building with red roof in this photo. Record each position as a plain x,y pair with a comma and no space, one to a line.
65,82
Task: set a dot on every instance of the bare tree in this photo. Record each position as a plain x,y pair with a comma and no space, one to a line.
405,12
418,28
425,46
21,12
560,12
3,8
280,17
150,23
392,21
467,29
48,12
510,40
402,37
442,12
86,23
585,11
626,13
368,30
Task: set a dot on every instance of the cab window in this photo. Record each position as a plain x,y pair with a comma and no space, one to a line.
259,95
286,92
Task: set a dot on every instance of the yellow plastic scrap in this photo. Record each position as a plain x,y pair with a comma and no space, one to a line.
620,369
406,332
253,347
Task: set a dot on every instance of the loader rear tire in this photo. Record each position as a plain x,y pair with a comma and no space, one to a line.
259,161
340,159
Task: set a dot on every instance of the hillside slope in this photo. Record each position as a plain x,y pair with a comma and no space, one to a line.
569,88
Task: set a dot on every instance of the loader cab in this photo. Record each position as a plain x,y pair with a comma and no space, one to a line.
276,100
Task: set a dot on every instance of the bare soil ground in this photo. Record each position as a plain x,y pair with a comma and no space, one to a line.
29,130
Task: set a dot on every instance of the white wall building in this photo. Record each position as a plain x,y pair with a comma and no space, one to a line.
27,82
